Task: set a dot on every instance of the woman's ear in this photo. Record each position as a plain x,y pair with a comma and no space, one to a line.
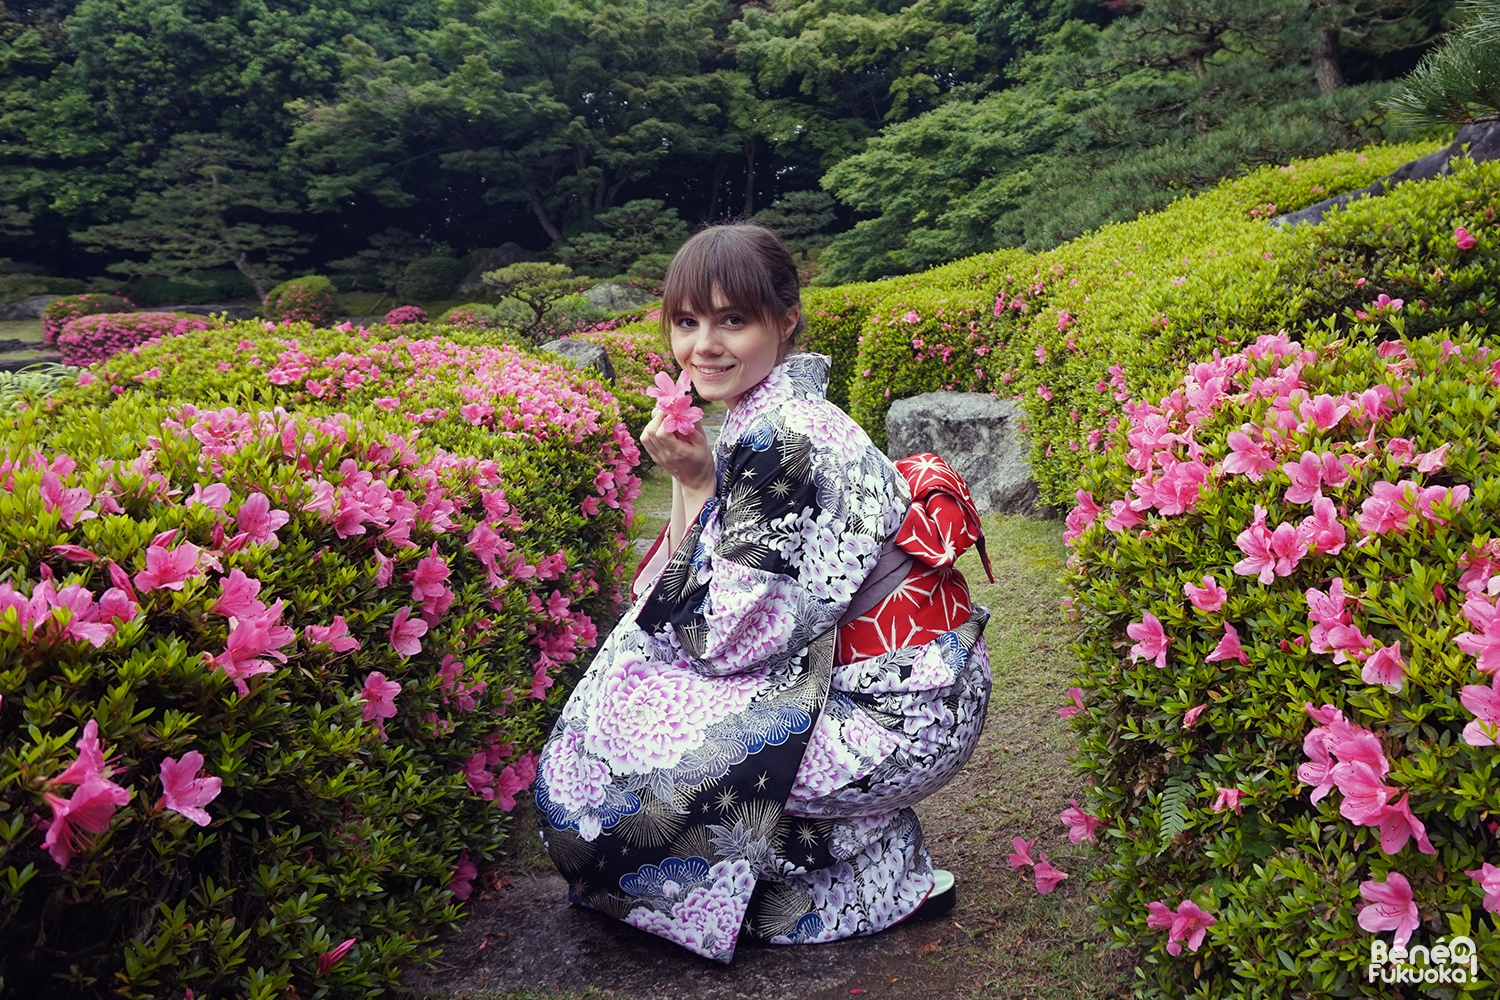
793,315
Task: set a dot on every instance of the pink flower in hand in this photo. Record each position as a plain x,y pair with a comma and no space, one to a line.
1488,877
1047,877
1389,906
679,416
1229,798
379,696
1074,707
1151,640
328,959
1081,825
183,791
406,633
1462,238
1209,597
1228,647
1021,856
1386,668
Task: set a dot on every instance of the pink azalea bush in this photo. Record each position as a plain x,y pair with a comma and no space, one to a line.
57,313
307,640
1289,587
88,339
405,315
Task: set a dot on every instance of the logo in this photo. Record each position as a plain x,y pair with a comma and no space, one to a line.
1455,961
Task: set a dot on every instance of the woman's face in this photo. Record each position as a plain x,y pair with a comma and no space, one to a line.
727,351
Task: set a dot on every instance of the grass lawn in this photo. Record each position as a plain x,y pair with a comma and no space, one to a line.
1015,943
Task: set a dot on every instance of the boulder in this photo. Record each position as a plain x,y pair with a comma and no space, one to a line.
977,434
28,308
583,354
503,256
35,360
617,298
1483,140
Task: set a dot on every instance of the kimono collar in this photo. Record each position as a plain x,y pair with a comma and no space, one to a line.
800,376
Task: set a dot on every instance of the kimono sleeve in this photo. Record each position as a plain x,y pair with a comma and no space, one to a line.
776,555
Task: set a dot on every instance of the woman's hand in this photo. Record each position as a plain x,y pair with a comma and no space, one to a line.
686,459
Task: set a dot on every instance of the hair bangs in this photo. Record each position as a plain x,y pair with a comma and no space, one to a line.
727,259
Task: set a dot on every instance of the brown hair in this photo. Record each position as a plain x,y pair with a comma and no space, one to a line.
748,263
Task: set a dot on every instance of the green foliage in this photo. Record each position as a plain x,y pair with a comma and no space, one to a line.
380,265
1282,877
331,824
193,215
1457,82
430,279
20,286
220,285
801,219
638,240
310,299
538,286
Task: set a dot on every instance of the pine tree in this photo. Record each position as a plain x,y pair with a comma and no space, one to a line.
1458,83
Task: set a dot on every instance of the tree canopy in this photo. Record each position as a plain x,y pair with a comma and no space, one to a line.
175,135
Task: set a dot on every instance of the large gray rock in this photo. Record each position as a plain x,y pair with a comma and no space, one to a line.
583,354
616,298
27,308
977,434
1483,140
503,256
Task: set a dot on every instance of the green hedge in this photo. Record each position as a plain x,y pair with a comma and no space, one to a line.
365,483
1185,699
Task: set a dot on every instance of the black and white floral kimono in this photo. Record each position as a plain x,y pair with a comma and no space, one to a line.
715,770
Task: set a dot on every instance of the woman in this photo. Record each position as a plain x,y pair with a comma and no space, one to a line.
728,763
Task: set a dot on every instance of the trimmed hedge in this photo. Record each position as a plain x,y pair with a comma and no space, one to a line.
1214,709
93,338
57,313
311,299
192,540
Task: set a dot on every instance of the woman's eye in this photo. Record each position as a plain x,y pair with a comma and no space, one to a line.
733,321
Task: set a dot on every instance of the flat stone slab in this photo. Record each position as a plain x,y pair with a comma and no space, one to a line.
525,935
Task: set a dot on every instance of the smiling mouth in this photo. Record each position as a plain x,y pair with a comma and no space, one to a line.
712,371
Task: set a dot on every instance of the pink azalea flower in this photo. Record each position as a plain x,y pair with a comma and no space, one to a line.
1462,238
1122,516
1228,647
89,810
257,519
335,634
1189,923
406,633
1484,645
384,567
1021,856
1323,412
1386,668
168,568
679,416
75,553
1364,789
1318,769
513,780
1228,798
461,882
1402,449
1322,532
1190,717
911,316
1081,825
1047,877
1080,517
214,496
379,697
72,504
252,643
1484,701
1151,640
428,580
1268,554
90,760
238,596
1074,706
1432,461
1247,458
329,959
1306,475
1209,597
1488,877
183,791
1398,825
1389,906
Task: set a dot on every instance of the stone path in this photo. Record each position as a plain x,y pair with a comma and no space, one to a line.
524,934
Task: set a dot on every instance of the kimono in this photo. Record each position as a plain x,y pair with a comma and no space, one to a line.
724,767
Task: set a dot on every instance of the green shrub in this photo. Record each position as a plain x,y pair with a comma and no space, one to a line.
430,279
206,286
21,286
835,317
506,314
358,479
310,299
57,313
1191,703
